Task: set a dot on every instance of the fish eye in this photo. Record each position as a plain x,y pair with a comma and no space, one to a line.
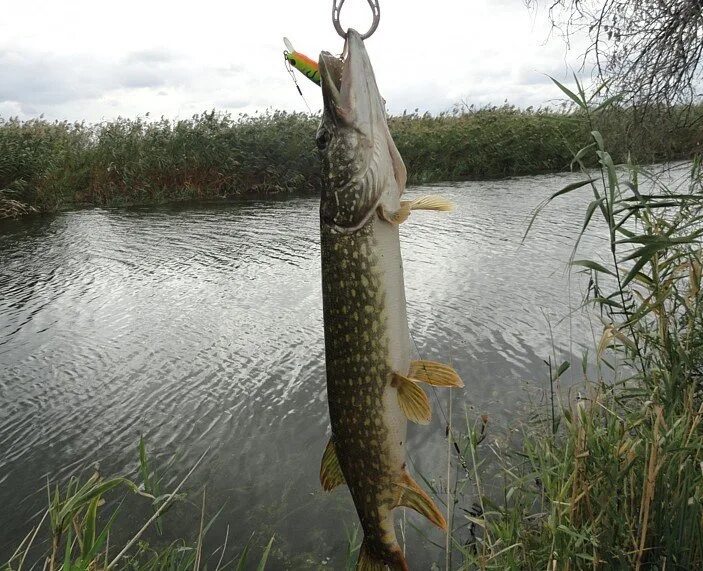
322,139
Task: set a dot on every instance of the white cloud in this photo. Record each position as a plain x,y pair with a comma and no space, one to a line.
92,60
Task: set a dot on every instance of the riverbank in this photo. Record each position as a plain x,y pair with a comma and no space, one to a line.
47,166
199,325
605,474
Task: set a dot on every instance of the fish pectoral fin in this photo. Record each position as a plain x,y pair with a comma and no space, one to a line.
412,399
398,216
413,496
330,471
430,202
436,374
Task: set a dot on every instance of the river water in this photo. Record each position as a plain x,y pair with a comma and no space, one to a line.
200,327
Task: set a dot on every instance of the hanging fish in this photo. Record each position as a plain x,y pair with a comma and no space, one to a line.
373,385
301,62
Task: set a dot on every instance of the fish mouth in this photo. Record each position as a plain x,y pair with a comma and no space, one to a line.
349,89
331,70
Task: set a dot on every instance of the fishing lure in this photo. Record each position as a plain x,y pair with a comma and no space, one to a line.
301,62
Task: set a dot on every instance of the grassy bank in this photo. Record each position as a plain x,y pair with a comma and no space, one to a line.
48,166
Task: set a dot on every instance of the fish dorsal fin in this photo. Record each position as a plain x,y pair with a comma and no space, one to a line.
330,471
412,400
413,496
436,374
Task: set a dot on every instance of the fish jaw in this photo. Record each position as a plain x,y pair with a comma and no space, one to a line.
359,95
361,164
349,88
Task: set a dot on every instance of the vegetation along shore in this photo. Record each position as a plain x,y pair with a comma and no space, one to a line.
46,166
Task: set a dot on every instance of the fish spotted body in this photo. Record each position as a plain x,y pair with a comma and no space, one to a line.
372,383
368,426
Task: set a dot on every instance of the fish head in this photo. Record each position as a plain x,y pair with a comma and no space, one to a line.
362,168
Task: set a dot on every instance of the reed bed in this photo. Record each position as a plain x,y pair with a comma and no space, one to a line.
47,166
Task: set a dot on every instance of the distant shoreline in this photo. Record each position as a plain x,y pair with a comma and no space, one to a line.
47,167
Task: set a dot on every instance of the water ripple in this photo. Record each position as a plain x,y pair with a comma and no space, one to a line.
202,327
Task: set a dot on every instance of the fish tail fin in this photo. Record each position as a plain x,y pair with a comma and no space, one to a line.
393,559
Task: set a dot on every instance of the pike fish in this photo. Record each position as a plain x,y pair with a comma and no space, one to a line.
373,385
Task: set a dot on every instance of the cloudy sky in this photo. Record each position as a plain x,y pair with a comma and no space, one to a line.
96,60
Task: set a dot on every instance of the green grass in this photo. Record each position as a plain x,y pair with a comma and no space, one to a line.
613,479
48,166
54,165
75,531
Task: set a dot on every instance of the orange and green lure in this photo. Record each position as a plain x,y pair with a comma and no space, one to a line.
301,62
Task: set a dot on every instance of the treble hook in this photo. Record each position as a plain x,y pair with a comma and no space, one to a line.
337,8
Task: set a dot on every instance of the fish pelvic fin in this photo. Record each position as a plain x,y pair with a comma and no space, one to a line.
370,561
430,202
436,374
330,471
412,399
413,496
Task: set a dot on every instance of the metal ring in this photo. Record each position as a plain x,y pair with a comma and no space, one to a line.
337,9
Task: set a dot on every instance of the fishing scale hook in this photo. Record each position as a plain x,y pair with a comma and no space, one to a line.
337,8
